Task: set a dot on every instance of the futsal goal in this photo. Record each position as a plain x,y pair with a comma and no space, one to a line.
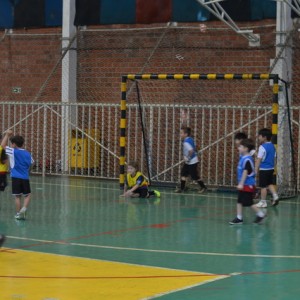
216,107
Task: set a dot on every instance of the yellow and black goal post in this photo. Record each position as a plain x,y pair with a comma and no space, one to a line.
133,77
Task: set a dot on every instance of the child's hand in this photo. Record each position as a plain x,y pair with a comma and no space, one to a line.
127,194
9,132
240,187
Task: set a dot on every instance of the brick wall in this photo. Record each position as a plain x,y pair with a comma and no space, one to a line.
28,57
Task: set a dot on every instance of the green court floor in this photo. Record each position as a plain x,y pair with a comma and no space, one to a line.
88,218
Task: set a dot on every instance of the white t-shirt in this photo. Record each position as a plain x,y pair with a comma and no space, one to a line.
187,147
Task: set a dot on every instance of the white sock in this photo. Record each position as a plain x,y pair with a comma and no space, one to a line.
23,209
240,217
275,196
260,214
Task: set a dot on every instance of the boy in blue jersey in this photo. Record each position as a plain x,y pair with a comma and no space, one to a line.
246,183
265,163
190,167
20,162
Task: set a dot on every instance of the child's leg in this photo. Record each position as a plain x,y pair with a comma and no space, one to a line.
195,176
26,203
263,194
182,183
273,191
239,211
18,203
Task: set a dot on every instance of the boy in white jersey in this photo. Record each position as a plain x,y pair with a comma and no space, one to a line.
20,162
190,167
265,164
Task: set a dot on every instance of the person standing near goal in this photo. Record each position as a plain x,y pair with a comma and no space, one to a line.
20,161
265,164
190,167
246,183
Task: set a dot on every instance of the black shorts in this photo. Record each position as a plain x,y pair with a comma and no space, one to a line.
143,192
190,170
20,186
266,178
3,182
245,198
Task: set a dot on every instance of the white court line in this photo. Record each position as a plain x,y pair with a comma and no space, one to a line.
158,250
167,193
186,288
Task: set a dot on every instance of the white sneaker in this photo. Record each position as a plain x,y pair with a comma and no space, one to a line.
262,204
275,201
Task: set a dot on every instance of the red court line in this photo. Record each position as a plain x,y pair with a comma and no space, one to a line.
113,232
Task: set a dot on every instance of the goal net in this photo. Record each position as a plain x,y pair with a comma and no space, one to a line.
216,107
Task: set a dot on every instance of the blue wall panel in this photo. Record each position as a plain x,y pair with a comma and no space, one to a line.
6,14
53,12
117,12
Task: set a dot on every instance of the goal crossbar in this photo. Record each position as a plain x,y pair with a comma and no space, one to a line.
228,76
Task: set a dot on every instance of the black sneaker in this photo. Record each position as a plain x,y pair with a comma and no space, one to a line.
236,221
275,202
202,190
258,220
2,239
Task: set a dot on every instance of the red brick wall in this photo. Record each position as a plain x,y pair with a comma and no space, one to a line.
27,60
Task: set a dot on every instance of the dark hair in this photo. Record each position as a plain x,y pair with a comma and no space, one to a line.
248,143
18,140
133,164
240,136
187,130
265,132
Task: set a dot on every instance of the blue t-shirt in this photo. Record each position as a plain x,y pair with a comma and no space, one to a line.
20,161
267,153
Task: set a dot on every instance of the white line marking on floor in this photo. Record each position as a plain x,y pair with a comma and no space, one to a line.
158,250
216,195
185,288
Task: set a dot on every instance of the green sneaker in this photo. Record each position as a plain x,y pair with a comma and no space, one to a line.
157,193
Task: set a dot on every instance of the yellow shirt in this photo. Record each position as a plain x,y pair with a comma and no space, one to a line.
132,181
3,167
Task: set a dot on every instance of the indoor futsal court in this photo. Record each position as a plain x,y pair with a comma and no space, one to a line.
149,149
92,243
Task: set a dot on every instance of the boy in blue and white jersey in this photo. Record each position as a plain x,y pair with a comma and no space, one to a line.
265,163
190,167
246,183
20,162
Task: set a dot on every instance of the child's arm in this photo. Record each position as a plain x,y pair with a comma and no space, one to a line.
4,142
242,181
129,192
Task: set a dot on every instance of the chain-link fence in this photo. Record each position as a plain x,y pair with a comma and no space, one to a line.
33,65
